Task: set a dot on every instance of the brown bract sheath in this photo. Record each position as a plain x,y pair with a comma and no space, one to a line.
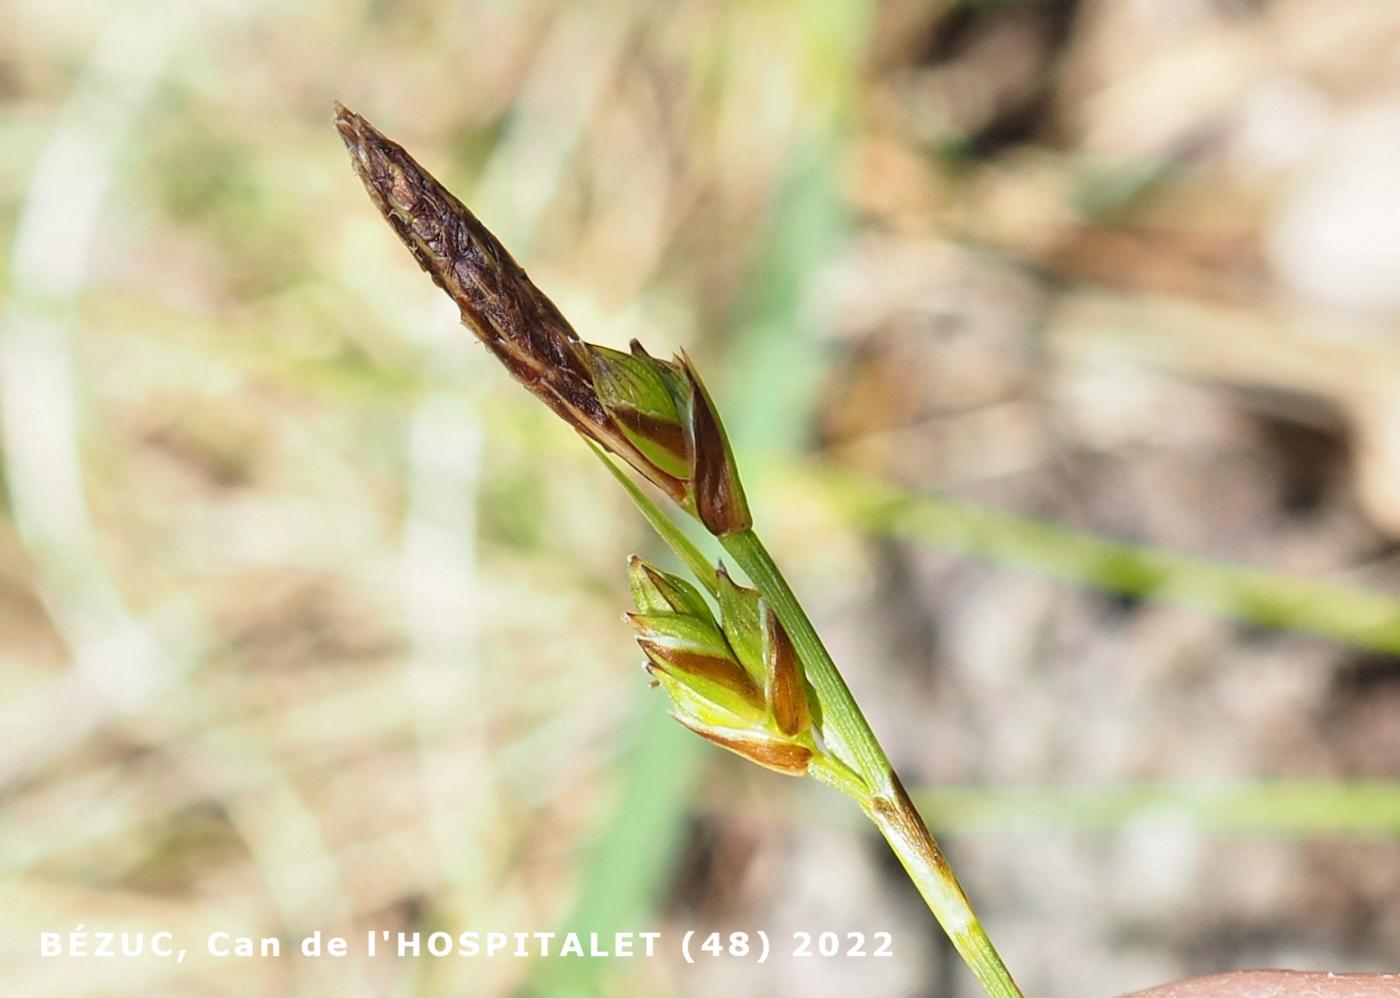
498,302
788,758
783,688
719,498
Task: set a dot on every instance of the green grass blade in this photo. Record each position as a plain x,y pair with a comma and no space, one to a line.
1283,808
1353,615
632,861
670,532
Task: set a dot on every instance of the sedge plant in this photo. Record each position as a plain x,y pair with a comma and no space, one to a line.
749,673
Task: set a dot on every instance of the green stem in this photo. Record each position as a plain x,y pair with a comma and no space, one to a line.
904,829
664,526
841,718
885,802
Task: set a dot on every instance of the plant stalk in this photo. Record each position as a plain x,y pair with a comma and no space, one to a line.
659,419
887,805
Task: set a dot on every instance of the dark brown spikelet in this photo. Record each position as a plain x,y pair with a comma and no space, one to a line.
719,498
498,302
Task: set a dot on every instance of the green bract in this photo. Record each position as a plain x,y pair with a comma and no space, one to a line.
649,400
654,590
738,609
694,652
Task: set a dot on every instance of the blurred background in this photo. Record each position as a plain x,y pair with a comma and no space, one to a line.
1060,341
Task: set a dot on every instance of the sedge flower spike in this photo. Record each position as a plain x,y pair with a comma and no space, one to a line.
755,677
654,414
755,706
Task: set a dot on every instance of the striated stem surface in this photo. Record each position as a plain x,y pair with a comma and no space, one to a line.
887,804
